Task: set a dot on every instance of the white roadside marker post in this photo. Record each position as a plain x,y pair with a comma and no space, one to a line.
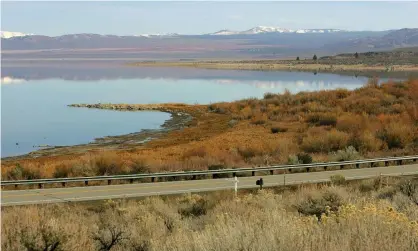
236,185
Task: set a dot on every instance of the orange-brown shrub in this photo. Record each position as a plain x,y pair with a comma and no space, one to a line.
322,119
397,134
351,123
328,141
365,142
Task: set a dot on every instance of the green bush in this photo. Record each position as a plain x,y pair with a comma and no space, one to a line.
22,173
293,160
304,158
349,153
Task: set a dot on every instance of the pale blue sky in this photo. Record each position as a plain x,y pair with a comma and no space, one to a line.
129,18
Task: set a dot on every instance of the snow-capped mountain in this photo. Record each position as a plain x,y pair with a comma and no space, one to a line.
265,29
158,35
10,34
268,29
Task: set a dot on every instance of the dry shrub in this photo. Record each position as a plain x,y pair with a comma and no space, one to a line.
248,152
331,141
277,129
365,142
199,152
259,119
195,206
349,153
319,203
109,164
252,221
337,180
246,113
20,172
350,123
322,119
397,135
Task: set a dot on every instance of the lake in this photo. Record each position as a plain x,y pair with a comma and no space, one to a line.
35,98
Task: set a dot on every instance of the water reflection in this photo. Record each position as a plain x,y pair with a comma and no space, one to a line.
294,81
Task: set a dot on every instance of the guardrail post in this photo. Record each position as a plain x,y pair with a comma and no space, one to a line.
63,184
131,181
271,172
325,168
357,165
40,185
400,162
194,177
234,174
16,186
109,182
289,170
307,169
152,179
86,182
415,160
253,173
386,163
341,166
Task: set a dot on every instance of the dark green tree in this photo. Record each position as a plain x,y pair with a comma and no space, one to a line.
315,57
297,59
356,55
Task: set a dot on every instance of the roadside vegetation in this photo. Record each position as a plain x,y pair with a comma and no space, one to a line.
376,214
373,121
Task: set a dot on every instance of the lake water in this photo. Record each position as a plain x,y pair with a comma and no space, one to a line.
34,99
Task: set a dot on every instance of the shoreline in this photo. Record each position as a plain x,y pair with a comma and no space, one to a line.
177,121
281,65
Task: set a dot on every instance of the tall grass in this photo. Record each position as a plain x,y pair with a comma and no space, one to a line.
315,217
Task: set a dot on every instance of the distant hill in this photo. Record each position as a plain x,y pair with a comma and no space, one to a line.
402,56
260,42
393,39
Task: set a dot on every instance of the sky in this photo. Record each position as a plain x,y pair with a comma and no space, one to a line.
55,18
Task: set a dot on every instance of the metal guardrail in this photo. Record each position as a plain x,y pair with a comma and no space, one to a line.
194,174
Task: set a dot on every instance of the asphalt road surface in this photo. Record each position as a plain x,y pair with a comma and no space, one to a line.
54,195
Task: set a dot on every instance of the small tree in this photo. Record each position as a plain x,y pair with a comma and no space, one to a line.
315,57
356,55
297,58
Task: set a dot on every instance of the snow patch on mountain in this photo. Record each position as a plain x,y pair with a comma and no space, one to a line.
10,34
158,35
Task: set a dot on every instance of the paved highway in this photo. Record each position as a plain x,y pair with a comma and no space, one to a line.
54,195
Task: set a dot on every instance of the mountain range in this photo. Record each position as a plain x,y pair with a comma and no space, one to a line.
255,30
269,29
258,42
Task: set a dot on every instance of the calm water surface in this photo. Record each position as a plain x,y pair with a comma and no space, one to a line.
34,100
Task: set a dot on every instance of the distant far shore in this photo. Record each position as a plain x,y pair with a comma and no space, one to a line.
286,65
